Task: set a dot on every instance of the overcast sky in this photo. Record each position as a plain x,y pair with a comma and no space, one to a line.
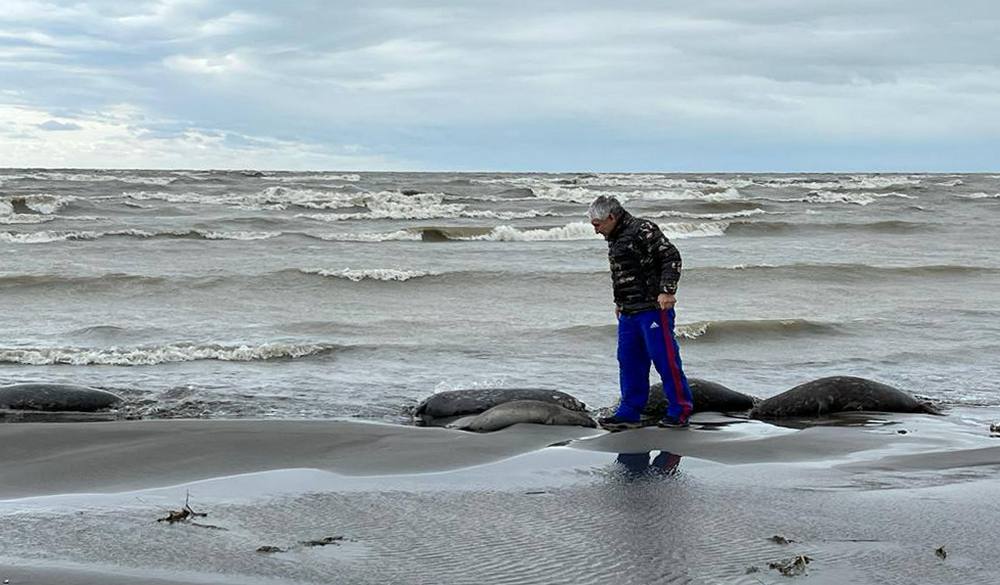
574,85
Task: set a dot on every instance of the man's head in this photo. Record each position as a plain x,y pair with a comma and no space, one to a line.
604,214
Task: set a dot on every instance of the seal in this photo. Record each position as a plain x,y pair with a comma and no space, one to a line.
707,396
524,411
444,408
56,398
839,394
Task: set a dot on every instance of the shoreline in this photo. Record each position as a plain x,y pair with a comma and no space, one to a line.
529,504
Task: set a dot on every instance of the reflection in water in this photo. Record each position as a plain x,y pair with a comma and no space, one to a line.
638,465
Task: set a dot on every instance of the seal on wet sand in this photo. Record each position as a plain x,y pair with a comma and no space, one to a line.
525,411
444,408
56,398
839,394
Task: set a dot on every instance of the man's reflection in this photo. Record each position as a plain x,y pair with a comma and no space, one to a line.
636,465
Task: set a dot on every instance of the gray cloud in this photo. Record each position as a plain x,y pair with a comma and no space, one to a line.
438,82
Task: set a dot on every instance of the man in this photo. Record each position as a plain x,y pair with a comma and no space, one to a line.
645,268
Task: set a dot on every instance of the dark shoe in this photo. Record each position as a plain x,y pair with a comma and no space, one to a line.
617,423
669,422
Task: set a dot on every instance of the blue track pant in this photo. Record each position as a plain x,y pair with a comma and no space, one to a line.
643,338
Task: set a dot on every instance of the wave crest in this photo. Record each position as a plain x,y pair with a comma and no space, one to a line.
742,330
172,353
383,274
42,203
47,237
572,231
979,195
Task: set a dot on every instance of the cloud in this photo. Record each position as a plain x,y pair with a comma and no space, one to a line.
216,65
443,84
54,126
120,134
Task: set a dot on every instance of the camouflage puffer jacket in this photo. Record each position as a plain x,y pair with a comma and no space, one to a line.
643,264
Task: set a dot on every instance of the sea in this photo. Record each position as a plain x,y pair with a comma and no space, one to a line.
316,295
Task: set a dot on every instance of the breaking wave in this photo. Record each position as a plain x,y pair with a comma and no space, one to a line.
171,353
723,330
375,205
373,237
763,228
53,281
23,218
746,330
711,216
382,274
347,177
46,237
849,197
851,271
572,231
978,195
104,177
42,203
863,182
702,184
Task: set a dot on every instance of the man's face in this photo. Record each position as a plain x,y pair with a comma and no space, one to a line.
604,226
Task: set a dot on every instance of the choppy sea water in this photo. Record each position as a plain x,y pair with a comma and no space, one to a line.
317,295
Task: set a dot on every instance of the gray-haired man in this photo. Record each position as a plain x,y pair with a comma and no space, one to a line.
645,268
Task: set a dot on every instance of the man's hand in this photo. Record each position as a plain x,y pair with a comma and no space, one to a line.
618,312
666,301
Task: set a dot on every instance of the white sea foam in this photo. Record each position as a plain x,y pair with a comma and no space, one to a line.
506,233
377,205
349,177
869,182
651,187
270,198
207,234
147,356
283,197
24,218
861,182
582,195
88,177
644,181
712,216
45,237
395,205
399,235
189,197
680,231
241,235
855,198
951,183
978,195
384,274
750,266
692,330
584,231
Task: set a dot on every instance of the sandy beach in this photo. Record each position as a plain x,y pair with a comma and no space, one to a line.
868,499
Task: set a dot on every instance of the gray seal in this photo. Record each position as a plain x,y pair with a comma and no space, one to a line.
56,397
839,394
525,411
445,407
707,396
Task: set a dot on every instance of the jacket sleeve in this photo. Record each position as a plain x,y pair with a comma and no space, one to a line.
663,254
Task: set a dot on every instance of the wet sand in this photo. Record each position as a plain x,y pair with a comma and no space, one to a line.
868,500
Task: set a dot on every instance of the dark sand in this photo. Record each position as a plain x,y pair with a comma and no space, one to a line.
868,504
